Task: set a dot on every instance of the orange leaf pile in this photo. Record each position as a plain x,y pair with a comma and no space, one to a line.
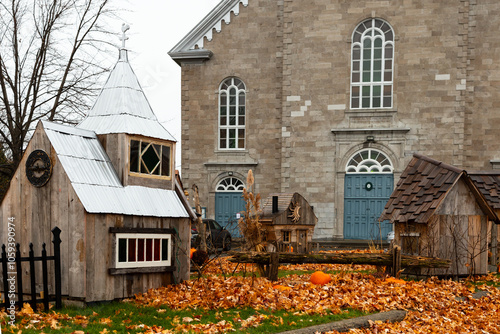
433,305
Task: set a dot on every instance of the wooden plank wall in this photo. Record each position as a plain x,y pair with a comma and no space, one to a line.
99,252
86,242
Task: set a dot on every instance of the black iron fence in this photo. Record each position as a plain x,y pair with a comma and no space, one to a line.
12,274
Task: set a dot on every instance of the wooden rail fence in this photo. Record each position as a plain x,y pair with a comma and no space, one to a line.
392,259
12,276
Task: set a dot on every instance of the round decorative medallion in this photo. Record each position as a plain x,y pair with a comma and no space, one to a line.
38,168
369,186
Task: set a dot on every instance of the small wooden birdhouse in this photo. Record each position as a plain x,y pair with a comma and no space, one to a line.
289,222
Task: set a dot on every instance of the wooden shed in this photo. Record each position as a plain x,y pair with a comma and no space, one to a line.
109,185
488,183
437,211
289,222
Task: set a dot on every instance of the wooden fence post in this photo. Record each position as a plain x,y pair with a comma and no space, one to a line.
396,260
273,266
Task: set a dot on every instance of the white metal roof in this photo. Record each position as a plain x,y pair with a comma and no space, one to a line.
96,183
122,106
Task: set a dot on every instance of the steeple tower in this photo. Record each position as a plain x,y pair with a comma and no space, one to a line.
122,106
140,148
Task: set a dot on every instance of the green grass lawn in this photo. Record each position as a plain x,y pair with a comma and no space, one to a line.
125,317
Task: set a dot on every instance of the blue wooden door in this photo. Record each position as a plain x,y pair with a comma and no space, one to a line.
227,206
365,195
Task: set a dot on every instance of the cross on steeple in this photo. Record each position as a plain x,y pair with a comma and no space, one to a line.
123,38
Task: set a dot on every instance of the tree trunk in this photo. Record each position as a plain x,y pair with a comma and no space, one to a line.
378,259
202,232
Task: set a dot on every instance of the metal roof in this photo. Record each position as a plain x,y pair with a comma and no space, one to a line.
96,183
122,106
130,200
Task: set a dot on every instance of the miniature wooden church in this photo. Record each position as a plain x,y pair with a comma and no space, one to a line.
109,184
288,221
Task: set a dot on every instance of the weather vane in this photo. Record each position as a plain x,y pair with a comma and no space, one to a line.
123,38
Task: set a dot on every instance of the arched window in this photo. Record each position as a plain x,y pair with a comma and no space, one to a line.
372,65
232,109
230,184
369,161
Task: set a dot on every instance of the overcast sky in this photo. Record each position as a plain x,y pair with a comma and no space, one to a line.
155,27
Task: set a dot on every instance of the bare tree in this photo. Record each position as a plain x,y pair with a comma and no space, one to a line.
202,232
48,65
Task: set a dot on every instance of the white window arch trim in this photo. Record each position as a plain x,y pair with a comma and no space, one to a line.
230,184
369,161
232,114
372,93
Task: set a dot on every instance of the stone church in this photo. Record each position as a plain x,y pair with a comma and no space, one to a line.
332,98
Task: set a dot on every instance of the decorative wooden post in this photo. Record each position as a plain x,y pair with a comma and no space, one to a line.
396,260
56,231
273,266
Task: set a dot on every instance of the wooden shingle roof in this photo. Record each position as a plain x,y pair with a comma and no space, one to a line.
488,183
284,200
422,188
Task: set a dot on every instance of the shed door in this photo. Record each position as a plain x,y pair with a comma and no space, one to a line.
365,198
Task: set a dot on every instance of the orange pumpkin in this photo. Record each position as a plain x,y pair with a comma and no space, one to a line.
395,280
191,252
320,278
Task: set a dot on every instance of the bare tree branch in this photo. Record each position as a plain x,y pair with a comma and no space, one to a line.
49,64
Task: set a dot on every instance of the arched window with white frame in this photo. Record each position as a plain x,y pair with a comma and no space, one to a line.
230,184
369,161
232,114
372,65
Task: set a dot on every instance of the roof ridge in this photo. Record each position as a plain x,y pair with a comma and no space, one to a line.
192,43
439,163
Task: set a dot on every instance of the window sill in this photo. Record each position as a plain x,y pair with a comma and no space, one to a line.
371,112
141,270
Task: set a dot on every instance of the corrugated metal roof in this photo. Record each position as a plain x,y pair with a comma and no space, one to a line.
130,200
96,183
126,124
122,106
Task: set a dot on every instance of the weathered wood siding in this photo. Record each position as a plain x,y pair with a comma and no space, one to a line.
38,210
86,248
100,256
457,231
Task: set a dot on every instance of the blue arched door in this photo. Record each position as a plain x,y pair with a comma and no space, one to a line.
369,182
229,203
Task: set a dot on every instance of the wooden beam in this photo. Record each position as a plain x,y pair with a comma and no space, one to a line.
378,259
